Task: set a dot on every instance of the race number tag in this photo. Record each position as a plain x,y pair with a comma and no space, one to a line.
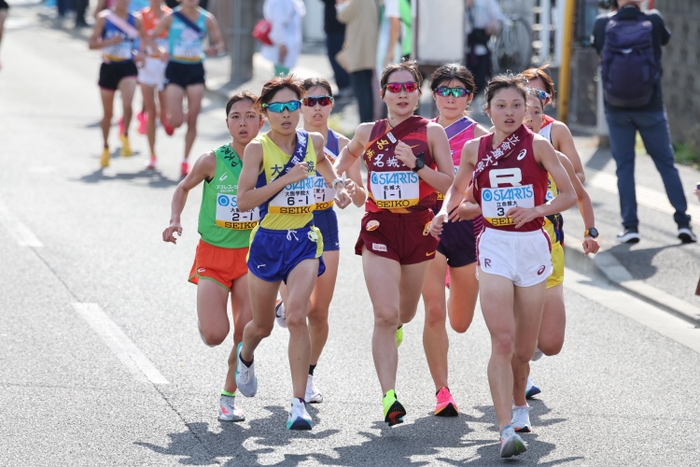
296,198
495,202
324,194
395,189
229,217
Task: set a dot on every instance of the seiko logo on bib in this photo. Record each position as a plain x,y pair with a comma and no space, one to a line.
522,154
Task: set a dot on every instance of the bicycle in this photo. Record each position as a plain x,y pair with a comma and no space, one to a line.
511,49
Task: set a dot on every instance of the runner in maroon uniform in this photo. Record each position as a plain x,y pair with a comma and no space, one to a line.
408,161
510,184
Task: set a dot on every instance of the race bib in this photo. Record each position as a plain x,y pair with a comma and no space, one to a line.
118,52
229,216
394,189
495,202
324,196
296,198
188,50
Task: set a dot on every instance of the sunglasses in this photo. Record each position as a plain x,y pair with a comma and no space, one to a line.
395,88
279,107
457,92
321,100
540,93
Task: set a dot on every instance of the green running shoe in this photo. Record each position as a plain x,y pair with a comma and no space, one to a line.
399,336
393,410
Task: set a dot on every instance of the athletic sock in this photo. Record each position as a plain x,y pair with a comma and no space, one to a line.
246,363
311,369
226,393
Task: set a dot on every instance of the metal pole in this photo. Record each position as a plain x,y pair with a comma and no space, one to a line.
242,47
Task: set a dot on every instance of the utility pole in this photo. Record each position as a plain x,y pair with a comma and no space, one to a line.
244,15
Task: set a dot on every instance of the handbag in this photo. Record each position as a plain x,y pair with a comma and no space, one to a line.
261,31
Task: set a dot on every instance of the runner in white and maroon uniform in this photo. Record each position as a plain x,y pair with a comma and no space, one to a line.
510,169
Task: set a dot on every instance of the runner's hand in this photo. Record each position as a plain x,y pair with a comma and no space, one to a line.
168,234
342,198
297,173
404,153
437,224
590,245
521,216
351,187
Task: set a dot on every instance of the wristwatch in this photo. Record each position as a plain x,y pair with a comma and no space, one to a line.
419,165
591,232
340,180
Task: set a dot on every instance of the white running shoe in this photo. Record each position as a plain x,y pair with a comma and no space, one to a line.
299,418
313,396
537,355
245,375
279,314
628,236
521,420
511,443
530,389
686,235
228,411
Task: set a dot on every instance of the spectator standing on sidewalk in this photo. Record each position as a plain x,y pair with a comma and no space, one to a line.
633,102
284,17
483,18
360,50
335,36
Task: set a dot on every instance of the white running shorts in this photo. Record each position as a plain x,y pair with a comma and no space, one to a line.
522,257
152,73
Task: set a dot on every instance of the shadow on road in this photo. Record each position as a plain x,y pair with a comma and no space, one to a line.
154,177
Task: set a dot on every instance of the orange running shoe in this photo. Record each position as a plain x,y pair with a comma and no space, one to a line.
446,406
184,169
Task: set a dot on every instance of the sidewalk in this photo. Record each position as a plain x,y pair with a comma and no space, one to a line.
659,269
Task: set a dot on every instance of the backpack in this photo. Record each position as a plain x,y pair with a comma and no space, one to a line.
629,68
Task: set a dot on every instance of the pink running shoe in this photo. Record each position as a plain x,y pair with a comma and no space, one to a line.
141,117
120,123
184,169
446,406
152,163
169,129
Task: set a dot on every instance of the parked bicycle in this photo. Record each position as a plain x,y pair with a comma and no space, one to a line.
511,49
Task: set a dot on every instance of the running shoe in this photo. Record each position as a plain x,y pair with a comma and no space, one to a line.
279,313
393,410
104,158
686,235
141,117
446,406
511,443
126,147
521,419
120,124
313,396
537,355
245,375
530,389
629,235
169,129
152,163
399,336
228,411
299,418
184,169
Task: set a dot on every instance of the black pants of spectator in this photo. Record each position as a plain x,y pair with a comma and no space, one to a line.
480,67
174,3
80,6
62,6
334,42
362,85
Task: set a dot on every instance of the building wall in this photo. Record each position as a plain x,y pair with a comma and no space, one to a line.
681,64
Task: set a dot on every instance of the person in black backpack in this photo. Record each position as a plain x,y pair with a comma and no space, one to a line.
629,43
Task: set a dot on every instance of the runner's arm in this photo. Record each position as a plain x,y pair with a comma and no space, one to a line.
355,148
216,43
95,42
563,141
204,169
356,188
585,206
439,145
163,25
325,168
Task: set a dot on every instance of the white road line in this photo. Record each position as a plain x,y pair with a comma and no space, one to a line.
125,350
640,311
17,229
645,196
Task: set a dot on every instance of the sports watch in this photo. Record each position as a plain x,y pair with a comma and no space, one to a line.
419,165
591,232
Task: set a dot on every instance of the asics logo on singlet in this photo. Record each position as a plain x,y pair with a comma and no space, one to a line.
223,177
522,154
261,266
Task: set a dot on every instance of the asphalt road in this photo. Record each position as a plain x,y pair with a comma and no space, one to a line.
101,362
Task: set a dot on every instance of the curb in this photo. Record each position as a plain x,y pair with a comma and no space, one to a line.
604,265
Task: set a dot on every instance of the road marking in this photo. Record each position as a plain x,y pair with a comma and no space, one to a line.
645,196
119,343
17,229
634,308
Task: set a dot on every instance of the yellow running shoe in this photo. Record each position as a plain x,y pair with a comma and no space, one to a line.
104,158
126,147
393,410
399,336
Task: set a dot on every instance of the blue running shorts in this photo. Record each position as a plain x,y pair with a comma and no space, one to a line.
273,254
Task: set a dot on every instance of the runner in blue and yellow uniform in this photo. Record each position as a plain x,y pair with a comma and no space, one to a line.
317,107
278,175
219,268
187,26
114,33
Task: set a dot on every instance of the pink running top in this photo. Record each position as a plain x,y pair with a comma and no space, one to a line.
458,133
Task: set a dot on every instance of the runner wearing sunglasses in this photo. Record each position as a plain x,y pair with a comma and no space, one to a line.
510,183
453,90
219,267
408,162
186,28
279,176
554,317
315,110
